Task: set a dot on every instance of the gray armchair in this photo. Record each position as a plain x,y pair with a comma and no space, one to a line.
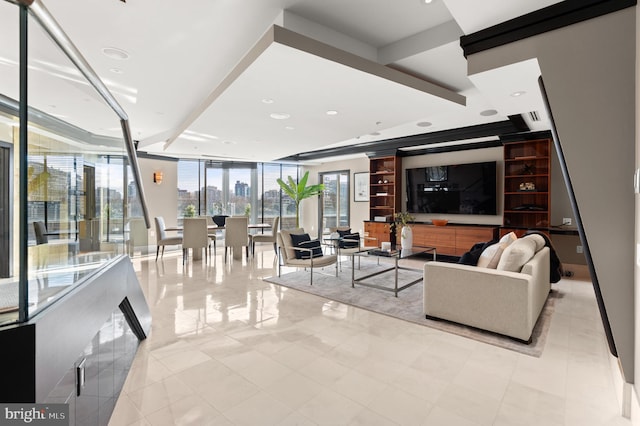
287,254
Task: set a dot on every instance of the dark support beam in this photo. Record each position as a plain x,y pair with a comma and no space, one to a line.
23,230
377,148
550,18
576,211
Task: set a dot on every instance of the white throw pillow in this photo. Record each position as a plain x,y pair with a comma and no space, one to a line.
517,254
539,239
491,256
508,238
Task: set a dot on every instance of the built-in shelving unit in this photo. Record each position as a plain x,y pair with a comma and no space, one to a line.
385,181
527,185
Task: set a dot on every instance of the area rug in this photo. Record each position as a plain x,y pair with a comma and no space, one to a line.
408,305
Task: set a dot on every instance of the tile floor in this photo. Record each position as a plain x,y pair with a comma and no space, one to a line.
227,348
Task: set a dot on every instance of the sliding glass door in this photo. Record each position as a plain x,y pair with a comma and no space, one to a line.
334,205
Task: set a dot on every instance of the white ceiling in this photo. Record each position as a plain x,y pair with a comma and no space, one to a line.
195,81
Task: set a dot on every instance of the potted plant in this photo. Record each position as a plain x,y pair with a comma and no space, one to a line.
403,219
299,191
190,211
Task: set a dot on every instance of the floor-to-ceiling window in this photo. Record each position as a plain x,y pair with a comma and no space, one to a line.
269,195
227,188
189,183
287,205
241,189
215,201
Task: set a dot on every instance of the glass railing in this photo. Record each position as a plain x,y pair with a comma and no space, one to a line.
9,127
83,206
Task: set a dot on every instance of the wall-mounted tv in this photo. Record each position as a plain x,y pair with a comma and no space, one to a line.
453,189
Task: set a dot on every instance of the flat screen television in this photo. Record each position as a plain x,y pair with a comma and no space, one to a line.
453,189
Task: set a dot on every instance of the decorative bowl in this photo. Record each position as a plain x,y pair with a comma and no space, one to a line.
439,222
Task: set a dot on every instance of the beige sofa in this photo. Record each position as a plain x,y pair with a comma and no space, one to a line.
503,302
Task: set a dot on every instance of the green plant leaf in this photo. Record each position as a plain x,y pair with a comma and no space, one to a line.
290,191
299,191
302,184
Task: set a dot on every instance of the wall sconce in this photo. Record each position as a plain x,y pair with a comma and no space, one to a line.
157,178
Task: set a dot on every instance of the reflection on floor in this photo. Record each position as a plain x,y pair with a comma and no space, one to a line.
228,348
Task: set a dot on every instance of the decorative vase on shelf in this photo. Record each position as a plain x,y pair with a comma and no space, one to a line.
406,237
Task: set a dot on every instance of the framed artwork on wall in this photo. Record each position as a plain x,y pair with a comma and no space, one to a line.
361,186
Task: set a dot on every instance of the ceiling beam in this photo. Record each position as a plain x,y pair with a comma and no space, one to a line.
283,36
419,43
498,129
325,51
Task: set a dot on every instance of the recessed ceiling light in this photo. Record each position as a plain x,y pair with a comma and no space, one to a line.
426,1
516,94
423,124
289,128
332,112
267,101
280,115
115,53
488,112
116,70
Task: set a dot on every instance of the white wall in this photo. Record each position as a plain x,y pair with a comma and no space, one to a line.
589,72
162,200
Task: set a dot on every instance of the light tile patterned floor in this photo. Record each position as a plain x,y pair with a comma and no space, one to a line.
227,348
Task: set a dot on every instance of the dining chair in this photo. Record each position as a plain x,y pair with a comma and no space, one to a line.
195,236
266,238
40,230
213,234
236,235
42,239
162,238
